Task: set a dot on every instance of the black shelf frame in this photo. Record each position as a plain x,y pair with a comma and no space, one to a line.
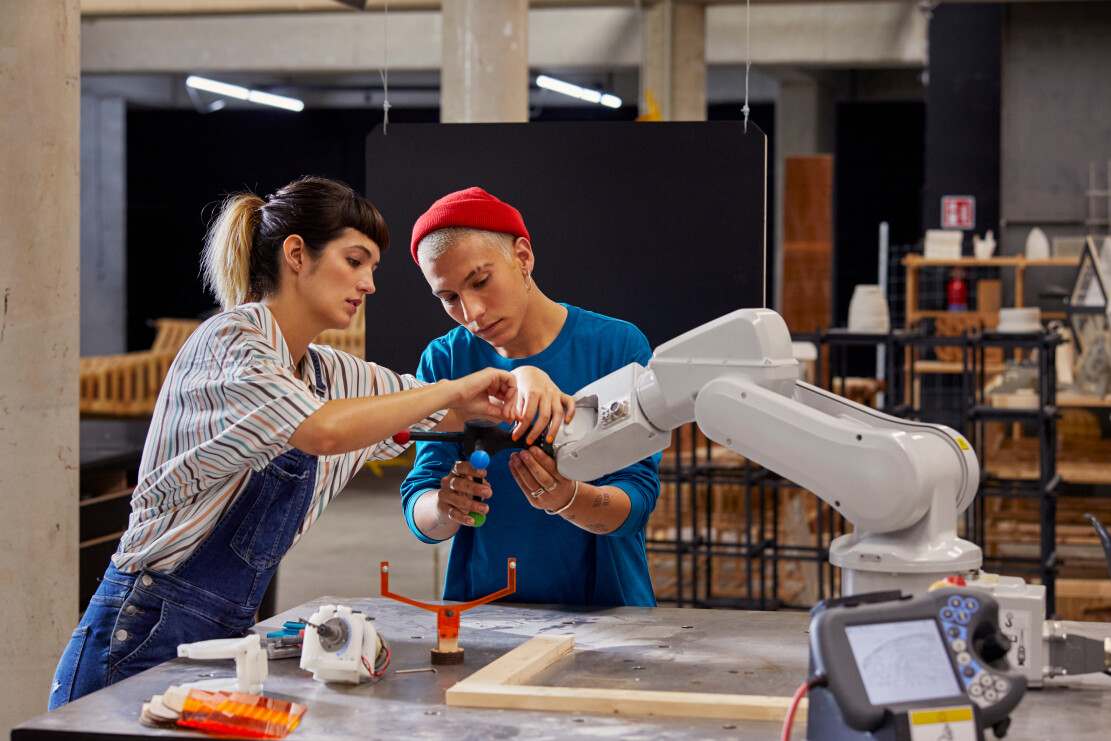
1044,417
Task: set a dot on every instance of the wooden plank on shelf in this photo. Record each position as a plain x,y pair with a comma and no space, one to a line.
1083,599
917,260
940,366
110,538
1078,462
1073,399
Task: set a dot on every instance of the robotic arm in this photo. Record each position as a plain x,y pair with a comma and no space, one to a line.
900,483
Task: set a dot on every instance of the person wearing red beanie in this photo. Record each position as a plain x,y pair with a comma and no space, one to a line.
576,542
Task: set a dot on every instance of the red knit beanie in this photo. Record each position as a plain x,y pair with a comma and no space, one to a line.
474,208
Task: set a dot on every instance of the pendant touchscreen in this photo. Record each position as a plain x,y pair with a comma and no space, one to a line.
902,662
887,657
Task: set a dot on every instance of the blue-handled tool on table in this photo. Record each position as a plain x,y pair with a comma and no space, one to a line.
286,643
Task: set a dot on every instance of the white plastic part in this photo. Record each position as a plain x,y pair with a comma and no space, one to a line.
609,425
251,664
1022,620
343,662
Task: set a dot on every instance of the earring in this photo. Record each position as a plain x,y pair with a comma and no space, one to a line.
528,282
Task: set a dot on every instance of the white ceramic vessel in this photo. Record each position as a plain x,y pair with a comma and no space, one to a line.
983,248
868,310
1037,245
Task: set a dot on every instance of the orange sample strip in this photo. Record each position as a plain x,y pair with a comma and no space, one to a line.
240,714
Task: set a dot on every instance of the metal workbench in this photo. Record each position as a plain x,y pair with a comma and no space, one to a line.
737,652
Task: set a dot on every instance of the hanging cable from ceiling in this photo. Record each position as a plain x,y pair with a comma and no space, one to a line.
385,71
748,60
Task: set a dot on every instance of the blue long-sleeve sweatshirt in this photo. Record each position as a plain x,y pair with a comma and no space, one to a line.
557,562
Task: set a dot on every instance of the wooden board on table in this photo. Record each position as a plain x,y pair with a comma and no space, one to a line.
501,685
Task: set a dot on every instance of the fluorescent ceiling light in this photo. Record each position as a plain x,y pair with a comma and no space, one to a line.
278,101
574,91
242,93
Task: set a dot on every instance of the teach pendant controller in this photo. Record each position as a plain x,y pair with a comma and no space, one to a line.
906,668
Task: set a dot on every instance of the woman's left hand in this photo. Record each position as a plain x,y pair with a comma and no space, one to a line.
535,472
539,402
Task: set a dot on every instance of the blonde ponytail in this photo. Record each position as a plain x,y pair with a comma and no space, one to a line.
227,250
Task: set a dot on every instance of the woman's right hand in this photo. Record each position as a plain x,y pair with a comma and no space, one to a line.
455,499
483,393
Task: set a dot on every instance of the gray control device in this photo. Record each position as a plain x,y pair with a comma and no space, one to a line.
893,663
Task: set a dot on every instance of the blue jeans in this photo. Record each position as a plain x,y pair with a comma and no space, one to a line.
136,621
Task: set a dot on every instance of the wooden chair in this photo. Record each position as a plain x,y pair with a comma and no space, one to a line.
127,385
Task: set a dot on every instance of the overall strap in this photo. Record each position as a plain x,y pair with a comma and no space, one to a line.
319,388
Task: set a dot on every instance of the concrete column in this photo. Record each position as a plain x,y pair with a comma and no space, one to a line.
484,75
674,65
804,124
40,103
103,225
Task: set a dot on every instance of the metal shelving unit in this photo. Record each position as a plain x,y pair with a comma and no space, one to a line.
1043,416
753,557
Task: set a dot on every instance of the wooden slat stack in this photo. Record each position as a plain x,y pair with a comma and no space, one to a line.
351,340
127,385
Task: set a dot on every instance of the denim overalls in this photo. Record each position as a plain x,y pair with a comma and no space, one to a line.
136,621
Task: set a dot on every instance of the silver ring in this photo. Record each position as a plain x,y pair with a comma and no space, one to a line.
538,492
451,484
552,487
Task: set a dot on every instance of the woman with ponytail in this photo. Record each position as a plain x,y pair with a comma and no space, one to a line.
256,430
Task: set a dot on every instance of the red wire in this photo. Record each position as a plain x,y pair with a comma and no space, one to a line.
799,693
384,666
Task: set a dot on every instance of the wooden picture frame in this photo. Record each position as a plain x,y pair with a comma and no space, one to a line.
502,684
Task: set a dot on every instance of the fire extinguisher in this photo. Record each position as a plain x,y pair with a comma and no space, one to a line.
957,292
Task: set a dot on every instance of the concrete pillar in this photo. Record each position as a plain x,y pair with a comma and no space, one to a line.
103,225
804,124
674,65
485,76
40,102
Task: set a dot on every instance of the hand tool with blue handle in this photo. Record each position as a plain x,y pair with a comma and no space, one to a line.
481,439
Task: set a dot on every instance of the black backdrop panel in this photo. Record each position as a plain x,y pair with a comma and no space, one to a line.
661,224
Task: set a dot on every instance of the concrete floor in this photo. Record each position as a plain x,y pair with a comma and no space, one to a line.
363,526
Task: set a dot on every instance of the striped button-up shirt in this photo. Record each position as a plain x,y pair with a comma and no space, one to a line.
228,406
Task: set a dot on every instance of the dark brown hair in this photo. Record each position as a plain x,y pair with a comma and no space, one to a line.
243,251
